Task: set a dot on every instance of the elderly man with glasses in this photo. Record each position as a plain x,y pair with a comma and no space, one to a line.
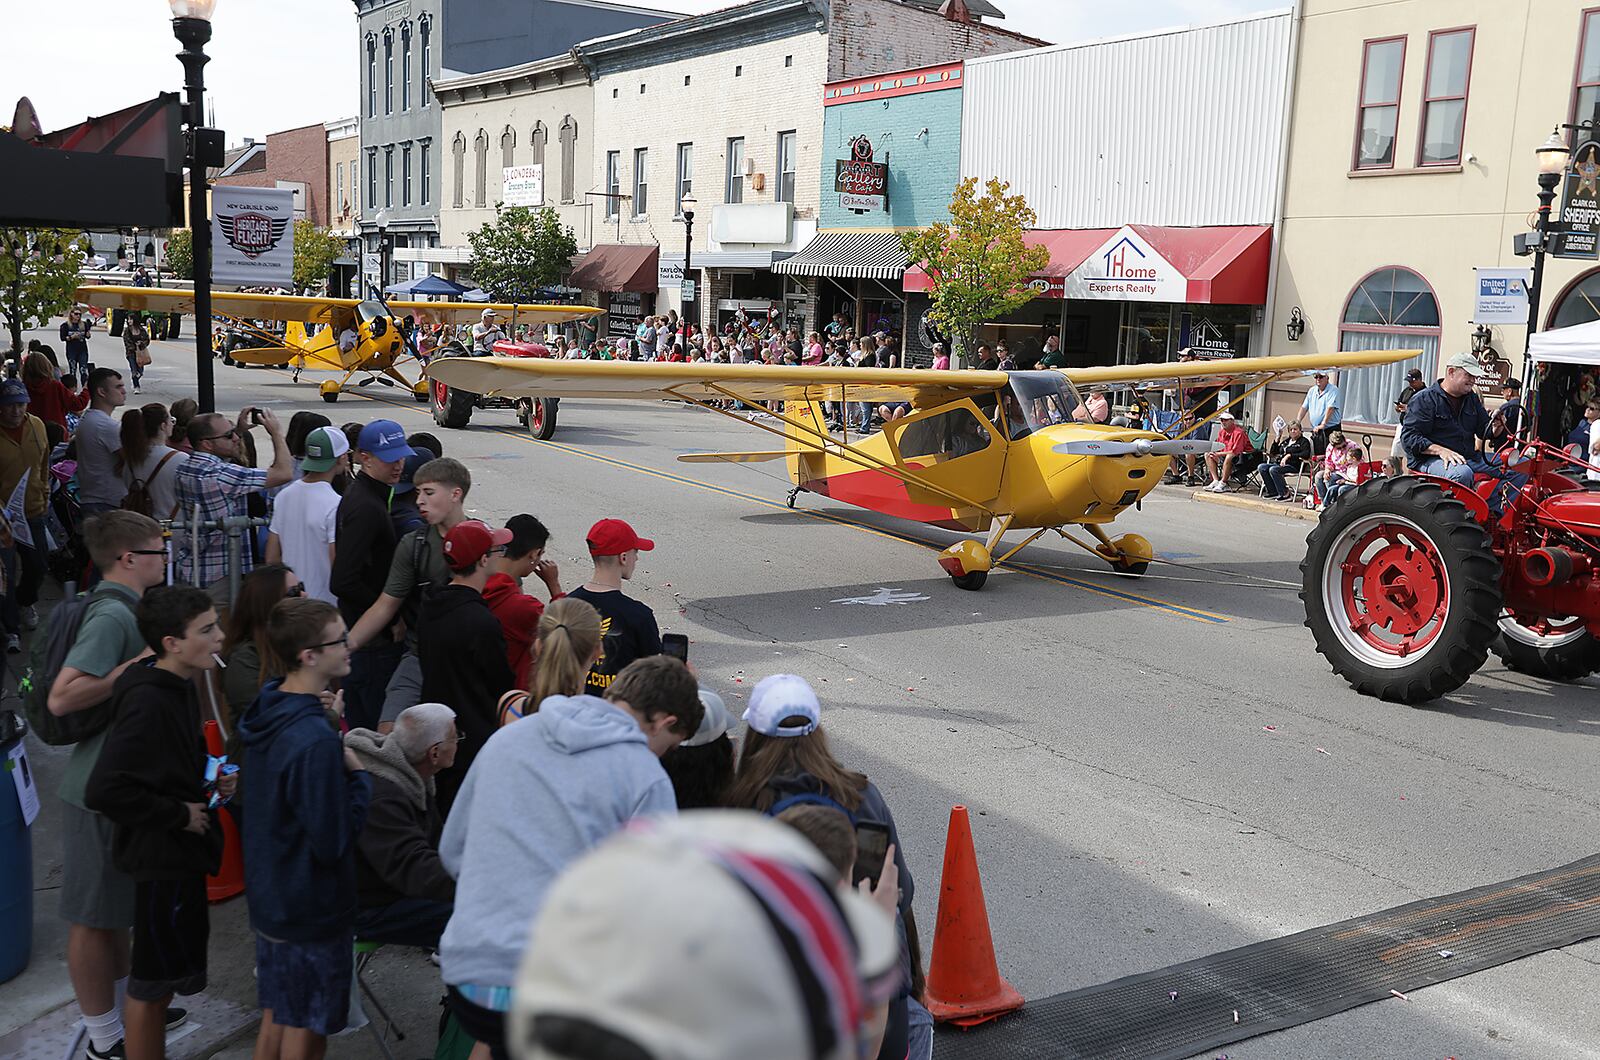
215,483
405,894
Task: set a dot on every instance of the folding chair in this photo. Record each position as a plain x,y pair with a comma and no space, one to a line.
364,952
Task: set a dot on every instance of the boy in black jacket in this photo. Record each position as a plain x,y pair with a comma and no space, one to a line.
150,781
462,650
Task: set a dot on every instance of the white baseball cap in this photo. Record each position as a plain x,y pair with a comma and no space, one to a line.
713,722
783,705
718,935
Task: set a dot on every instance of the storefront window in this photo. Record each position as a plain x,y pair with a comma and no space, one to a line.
1392,309
1147,333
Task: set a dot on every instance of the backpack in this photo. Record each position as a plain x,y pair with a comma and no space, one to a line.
139,498
45,659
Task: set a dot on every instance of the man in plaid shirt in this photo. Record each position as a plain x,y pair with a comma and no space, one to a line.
221,488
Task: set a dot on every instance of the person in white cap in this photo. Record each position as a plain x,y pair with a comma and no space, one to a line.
485,333
305,515
1445,424
1235,443
706,936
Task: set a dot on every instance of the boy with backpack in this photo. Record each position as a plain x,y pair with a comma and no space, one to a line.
89,643
418,567
150,780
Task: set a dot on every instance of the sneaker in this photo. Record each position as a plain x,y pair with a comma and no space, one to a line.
176,1017
30,617
1214,486
13,644
116,1052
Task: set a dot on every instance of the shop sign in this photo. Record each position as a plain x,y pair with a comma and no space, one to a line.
624,310
1127,269
1207,340
862,184
522,185
1580,206
668,274
1502,296
1048,287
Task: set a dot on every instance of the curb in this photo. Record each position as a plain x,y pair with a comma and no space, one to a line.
1256,504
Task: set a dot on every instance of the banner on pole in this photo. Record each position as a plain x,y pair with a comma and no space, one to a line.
1502,296
252,236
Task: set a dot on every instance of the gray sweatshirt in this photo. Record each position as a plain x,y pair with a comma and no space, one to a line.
542,792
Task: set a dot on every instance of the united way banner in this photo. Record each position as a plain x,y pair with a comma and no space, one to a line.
252,236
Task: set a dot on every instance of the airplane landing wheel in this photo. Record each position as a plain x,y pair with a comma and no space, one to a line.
1131,569
972,581
792,495
330,396
329,391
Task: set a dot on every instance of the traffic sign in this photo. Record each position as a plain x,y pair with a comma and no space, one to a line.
686,290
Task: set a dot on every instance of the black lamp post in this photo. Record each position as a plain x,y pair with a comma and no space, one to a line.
191,24
686,207
383,251
1552,155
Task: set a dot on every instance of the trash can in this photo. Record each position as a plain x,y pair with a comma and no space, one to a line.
16,871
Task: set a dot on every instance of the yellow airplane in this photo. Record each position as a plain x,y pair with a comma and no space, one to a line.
980,452
313,326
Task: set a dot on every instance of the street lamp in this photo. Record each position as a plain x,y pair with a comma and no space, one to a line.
686,207
1552,157
383,251
191,24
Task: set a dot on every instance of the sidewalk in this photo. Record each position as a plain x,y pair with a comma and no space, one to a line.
1249,501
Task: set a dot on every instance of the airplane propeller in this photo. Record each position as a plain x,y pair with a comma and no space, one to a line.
1137,447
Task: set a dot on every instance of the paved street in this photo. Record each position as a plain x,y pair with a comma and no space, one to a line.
1129,807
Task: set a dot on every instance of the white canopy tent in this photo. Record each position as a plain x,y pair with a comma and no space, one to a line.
1578,344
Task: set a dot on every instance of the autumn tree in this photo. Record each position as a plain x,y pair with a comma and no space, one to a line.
315,251
38,273
524,249
977,262
180,253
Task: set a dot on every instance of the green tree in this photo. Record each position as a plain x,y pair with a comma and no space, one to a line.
38,273
977,263
315,251
180,253
526,248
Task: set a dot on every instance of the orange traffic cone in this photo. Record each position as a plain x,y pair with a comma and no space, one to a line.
964,983
229,880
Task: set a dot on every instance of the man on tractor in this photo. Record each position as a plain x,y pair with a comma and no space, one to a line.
1444,424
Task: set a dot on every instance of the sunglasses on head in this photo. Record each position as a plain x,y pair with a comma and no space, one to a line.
295,590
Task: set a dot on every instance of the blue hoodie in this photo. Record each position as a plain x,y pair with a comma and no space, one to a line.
302,813
541,792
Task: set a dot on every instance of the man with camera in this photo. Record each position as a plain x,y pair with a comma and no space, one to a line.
214,481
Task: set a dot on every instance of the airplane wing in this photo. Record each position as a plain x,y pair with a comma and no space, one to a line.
1225,370
224,303
472,312
665,381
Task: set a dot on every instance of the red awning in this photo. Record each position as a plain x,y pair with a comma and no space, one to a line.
614,267
1221,265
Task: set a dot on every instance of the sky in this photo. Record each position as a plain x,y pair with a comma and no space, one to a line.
281,64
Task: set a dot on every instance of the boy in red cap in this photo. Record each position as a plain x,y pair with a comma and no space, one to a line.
628,628
461,648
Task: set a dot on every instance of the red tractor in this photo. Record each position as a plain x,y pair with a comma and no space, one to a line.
1408,582
452,406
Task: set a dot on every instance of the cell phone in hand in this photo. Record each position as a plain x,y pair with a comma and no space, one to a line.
675,645
872,846
255,417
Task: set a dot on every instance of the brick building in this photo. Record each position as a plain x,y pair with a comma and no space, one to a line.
294,158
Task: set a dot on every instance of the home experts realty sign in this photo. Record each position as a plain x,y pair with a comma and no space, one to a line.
1127,269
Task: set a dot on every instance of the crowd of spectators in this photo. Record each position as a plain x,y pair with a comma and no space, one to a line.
420,752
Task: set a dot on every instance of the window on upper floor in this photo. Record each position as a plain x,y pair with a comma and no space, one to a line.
1381,64
388,72
480,149
372,78
372,178
388,176
685,176
338,192
1444,97
613,184
1586,91
735,182
405,66
458,182
425,176
405,175
568,135
641,181
425,30
783,187
508,144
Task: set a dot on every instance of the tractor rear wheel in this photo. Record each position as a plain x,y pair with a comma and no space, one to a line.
1401,589
1560,649
542,418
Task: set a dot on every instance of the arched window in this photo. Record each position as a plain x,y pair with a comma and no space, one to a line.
508,142
539,138
480,148
425,28
405,66
569,156
388,71
372,76
1579,303
1391,309
458,153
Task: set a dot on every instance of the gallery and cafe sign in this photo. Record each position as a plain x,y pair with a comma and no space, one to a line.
862,184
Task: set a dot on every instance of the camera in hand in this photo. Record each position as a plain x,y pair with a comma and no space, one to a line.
255,417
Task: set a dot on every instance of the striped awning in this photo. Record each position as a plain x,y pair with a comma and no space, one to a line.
850,256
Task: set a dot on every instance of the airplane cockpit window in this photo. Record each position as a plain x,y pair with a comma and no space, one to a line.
946,435
368,311
1040,399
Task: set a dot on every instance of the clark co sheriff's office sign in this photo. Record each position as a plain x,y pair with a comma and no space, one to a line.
252,236
862,184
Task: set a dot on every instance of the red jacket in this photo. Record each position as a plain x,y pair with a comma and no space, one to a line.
51,401
519,616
